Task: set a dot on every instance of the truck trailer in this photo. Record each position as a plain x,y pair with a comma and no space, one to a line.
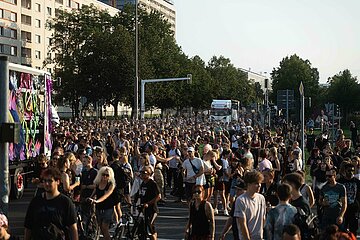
30,106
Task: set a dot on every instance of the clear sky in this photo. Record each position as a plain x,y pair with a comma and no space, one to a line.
258,34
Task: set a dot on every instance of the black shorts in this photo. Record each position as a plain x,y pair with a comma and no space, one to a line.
219,186
150,217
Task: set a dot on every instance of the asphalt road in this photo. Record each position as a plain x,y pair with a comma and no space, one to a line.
170,222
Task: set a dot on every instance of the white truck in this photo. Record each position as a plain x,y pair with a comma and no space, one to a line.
224,110
29,105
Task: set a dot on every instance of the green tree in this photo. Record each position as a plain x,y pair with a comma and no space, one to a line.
290,73
72,33
344,90
230,82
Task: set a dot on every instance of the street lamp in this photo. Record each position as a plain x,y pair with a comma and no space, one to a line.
136,90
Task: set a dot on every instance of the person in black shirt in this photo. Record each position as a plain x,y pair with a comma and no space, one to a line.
297,200
201,223
42,165
51,210
105,185
269,187
149,194
88,176
352,186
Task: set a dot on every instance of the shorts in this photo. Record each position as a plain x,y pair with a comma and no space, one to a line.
150,217
227,187
210,181
188,190
219,186
104,215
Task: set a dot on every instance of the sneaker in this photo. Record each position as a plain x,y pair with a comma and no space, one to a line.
216,211
226,213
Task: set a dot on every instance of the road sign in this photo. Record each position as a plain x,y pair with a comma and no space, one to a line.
285,99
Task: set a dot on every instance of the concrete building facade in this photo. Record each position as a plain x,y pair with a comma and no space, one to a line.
23,35
165,7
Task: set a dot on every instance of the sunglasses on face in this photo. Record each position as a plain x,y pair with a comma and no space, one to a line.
329,176
105,175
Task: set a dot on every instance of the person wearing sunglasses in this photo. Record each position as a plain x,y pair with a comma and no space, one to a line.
352,186
201,223
149,194
101,196
332,200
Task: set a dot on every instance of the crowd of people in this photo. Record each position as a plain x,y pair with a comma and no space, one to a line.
256,176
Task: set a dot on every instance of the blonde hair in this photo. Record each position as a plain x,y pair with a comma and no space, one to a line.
102,170
70,156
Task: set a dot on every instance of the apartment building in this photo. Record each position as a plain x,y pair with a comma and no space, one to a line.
23,36
166,7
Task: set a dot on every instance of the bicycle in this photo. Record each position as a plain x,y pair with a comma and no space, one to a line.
88,230
132,227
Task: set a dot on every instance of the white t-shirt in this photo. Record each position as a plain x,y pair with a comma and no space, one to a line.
253,210
152,159
173,163
198,163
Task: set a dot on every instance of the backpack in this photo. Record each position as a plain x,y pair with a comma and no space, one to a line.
122,174
308,224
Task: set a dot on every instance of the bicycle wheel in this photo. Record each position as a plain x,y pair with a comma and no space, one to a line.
119,231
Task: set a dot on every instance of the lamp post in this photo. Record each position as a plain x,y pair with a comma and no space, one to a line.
302,114
136,90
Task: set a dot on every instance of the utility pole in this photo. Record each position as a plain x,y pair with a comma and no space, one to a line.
302,114
4,146
136,90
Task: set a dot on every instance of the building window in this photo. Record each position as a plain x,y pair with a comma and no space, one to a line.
13,33
11,1
13,51
1,48
13,16
68,3
37,39
38,7
57,12
1,31
25,19
37,23
48,41
48,55
26,4
49,70
26,36
26,52
37,54
49,10
77,5
59,1
1,13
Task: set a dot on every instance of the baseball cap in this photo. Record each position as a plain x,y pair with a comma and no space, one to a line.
191,149
3,220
